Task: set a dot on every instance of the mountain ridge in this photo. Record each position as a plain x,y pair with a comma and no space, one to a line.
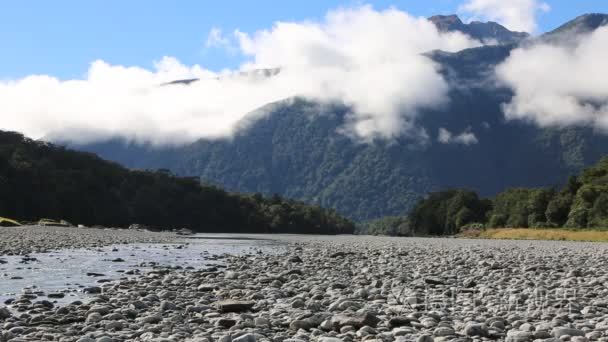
487,32
295,149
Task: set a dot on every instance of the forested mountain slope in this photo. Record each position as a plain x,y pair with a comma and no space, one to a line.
296,150
40,180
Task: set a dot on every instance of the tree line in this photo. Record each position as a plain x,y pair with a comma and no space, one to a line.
41,180
581,203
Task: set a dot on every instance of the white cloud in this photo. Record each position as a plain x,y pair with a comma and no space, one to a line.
517,15
370,60
559,85
465,138
216,38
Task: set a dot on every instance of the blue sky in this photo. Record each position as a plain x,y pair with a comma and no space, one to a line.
62,37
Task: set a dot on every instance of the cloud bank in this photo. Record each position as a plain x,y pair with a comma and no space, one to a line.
370,60
516,15
465,138
559,85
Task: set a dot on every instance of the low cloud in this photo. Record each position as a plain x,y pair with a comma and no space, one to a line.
367,59
559,85
465,138
516,15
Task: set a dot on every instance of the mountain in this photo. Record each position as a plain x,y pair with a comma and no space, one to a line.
251,74
39,180
295,150
489,32
570,32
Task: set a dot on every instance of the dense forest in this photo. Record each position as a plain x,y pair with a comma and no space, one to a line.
581,203
40,180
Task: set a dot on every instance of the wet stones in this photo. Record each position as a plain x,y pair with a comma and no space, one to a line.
5,313
57,295
92,290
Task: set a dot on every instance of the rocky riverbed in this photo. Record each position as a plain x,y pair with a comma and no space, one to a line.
343,288
37,239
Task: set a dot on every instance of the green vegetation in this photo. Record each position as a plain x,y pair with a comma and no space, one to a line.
390,225
581,204
445,212
39,180
297,151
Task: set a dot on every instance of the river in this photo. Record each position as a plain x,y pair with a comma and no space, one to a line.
70,271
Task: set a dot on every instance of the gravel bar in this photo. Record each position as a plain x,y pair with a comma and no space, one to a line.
40,239
346,288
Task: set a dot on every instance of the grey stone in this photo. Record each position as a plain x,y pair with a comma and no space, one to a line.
85,339
561,331
234,305
444,331
93,318
519,336
476,329
425,338
357,321
105,339
245,338
399,321
300,324
225,323
5,313
152,319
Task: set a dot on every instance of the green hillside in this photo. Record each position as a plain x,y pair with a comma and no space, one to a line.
38,179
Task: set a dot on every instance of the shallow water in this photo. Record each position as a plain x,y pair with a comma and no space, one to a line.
66,271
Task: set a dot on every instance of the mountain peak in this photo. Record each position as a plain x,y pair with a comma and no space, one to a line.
580,25
446,22
487,32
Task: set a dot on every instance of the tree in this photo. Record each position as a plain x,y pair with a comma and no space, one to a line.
446,212
598,214
558,209
38,180
538,202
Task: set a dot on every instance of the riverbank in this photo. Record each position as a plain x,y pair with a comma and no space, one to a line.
41,239
539,234
346,288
